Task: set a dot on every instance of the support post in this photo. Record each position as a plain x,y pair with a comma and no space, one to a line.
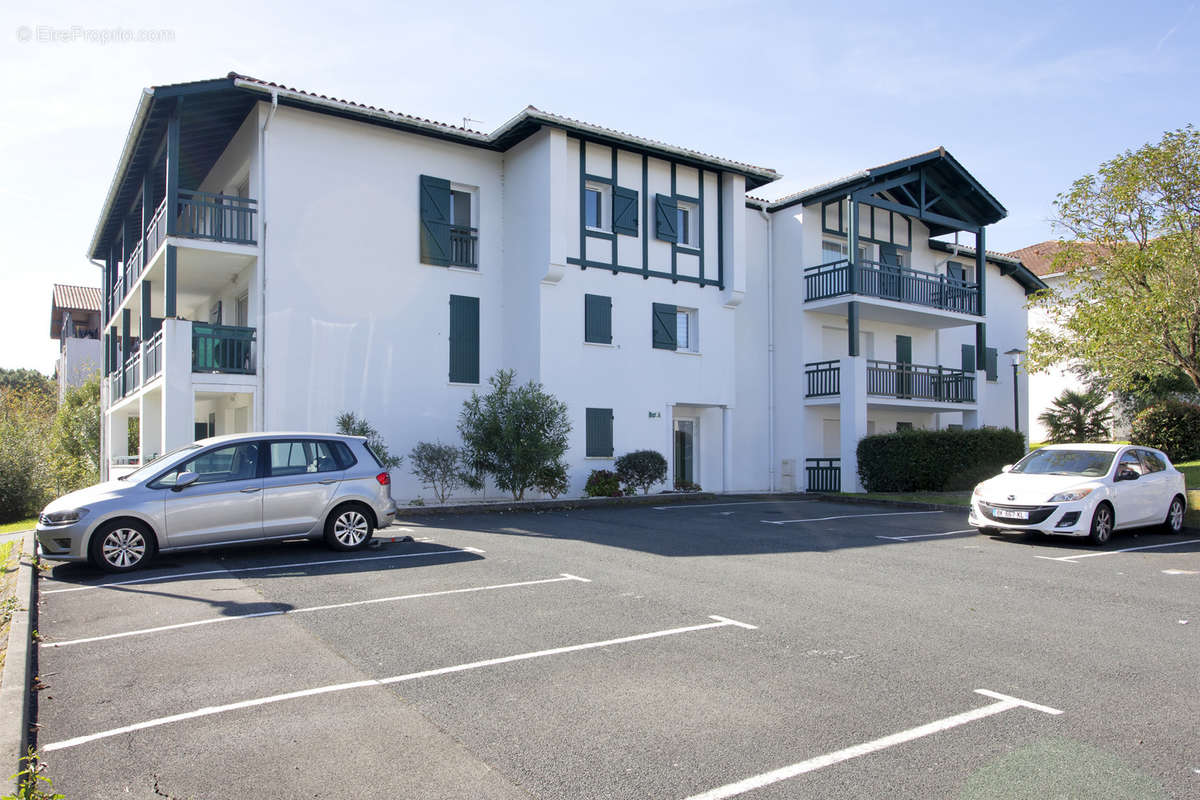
852,326
144,325
147,211
172,187
852,244
981,272
980,346
169,282
853,421
727,449
125,344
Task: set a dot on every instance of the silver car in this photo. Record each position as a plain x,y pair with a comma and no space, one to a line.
240,488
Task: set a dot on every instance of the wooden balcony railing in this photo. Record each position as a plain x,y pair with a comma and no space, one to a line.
217,217
462,246
919,382
823,474
890,282
823,378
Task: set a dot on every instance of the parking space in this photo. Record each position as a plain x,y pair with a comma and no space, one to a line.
764,649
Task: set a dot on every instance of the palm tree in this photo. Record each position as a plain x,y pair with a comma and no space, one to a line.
1077,417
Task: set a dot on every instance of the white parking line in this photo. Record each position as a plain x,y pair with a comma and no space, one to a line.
1004,703
282,612
850,516
714,505
720,622
925,535
1073,559
453,552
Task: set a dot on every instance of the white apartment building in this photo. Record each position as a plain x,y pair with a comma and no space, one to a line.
75,323
274,257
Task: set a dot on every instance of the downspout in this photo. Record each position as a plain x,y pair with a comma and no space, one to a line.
770,349
102,458
261,411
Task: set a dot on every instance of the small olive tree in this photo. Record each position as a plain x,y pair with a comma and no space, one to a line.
514,434
75,436
438,467
350,424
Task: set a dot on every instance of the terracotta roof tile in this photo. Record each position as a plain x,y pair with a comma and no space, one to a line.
77,298
1039,258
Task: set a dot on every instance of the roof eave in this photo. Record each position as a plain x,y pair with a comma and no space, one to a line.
145,101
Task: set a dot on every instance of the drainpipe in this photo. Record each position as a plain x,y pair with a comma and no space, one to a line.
103,458
261,410
770,349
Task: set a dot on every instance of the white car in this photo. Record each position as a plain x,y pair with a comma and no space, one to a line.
1082,490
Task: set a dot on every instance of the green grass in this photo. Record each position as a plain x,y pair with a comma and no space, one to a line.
946,498
25,525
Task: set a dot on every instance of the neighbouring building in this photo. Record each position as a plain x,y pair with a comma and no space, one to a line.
273,257
75,323
1046,385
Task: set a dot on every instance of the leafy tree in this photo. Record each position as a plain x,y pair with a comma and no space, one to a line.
552,480
641,469
513,433
1171,426
1077,417
1129,310
26,474
350,424
76,436
438,467
27,379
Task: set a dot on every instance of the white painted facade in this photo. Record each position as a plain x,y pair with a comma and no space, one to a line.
346,316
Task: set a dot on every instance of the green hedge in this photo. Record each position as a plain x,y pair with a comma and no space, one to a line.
1172,426
935,461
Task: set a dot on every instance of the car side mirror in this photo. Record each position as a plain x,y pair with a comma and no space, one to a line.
184,480
1006,468
1127,475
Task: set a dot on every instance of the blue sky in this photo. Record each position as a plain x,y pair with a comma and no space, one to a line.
1028,96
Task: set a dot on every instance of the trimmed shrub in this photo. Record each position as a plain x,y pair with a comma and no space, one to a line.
603,483
1171,426
935,461
552,479
641,469
439,468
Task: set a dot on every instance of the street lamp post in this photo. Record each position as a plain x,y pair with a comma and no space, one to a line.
1015,355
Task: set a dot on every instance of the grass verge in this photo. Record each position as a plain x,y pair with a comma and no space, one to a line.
25,525
10,557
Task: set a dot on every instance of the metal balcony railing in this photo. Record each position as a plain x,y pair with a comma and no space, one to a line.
152,360
218,217
223,348
462,246
891,282
919,382
823,379
823,474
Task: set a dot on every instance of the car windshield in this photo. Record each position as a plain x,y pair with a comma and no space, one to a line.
1085,463
151,467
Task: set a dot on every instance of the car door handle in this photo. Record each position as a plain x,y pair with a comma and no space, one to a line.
327,481
251,489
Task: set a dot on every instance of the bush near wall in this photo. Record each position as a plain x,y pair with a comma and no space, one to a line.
935,461
1171,426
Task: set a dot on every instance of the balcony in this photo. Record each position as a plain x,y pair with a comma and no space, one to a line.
895,380
222,348
462,247
891,282
215,350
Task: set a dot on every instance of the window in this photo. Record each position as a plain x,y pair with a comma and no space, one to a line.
836,251
597,319
687,337
302,457
1152,460
597,206
242,313
237,462
464,339
599,430
687,217
448,235
903,426
1129,461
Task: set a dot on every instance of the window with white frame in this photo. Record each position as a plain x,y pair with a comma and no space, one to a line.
687,221
597,206
832,250
687,332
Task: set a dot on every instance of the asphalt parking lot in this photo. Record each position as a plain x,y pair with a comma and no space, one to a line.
757,649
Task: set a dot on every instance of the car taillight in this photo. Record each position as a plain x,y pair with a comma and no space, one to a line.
384,479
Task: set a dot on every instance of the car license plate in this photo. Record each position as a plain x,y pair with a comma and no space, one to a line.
1007,513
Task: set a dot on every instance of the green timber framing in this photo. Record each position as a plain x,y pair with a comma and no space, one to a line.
644,228
931,187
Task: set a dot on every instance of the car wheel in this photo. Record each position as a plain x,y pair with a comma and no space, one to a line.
121,546
1102,524
349,527
1174,520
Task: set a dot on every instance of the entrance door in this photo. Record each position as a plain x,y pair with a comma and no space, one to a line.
685,451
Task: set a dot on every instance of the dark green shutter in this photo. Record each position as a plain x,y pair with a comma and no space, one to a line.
904,377
903,349
666,218
597,319
663,326
990,358
464,339
889,254
599,427
968,358
955,271
435,221
625,211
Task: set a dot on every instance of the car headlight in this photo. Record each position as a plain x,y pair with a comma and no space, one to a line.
978,490
1070,496
68,517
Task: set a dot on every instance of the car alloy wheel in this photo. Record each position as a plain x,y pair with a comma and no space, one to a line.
1102,524
351,528
1175,516
123,548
